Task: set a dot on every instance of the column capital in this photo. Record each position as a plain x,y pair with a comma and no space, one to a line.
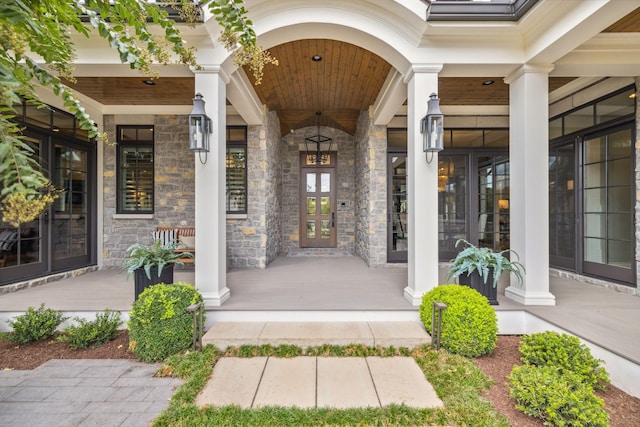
527,69
212,69
420,69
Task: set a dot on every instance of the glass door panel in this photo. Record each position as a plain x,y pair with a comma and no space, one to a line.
452,205
493,202
607,205
70,226
397,232
22,252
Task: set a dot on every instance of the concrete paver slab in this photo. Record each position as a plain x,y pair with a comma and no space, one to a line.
345,382
227,334
309,334
399,334
288,382
234,381
400,380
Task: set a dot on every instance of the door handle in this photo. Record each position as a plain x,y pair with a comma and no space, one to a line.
333,219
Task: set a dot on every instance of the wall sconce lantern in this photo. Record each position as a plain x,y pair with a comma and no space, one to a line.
199,127
432,128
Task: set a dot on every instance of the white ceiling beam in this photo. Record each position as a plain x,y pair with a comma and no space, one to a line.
244,98
390,99
568,24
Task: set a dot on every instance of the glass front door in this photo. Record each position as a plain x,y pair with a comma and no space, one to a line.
318,204
61,238
70,213
23,251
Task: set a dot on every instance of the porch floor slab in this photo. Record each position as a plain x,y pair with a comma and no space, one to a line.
310,334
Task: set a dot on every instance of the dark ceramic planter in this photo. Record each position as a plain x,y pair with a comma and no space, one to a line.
475,281
142,282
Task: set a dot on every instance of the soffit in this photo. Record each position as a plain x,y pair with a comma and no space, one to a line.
628,24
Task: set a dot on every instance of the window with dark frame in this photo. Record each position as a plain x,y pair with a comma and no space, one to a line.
236,170
135,169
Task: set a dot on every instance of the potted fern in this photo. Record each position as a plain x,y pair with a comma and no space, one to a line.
152,264
480,268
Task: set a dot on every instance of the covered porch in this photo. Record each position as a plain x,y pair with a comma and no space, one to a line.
344,288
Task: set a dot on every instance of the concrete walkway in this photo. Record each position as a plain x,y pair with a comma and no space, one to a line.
308,382
84,392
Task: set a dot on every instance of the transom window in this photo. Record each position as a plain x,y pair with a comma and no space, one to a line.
135,169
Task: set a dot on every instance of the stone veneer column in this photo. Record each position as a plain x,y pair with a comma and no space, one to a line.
529,182
371,190
255,240
422,188
211,252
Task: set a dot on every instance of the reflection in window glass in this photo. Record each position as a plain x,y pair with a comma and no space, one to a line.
311,182
466,138
578,120
325,182
236,173
325,233
311,205
594,150
325,205
595,250
135,173
555,128
496,138
311,229
614,107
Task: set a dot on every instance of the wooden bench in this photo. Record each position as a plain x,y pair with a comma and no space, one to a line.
185,238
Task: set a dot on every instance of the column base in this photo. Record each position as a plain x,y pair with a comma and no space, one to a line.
412,296
528,297
216,299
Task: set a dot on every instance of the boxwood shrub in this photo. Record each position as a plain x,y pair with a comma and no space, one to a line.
559,399
566,353
469,324
159,324
86,333
34,325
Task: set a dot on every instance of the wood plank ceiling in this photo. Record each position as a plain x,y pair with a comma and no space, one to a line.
345,81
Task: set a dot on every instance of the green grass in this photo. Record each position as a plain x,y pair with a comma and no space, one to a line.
456,380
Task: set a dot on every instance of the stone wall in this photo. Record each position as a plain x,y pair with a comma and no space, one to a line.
345,219
174,194
371,185
254,240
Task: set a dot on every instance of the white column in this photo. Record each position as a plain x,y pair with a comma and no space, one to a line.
211,240
422,188
529,182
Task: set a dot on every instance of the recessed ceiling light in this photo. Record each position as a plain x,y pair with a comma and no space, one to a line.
316,58
149,82
488,82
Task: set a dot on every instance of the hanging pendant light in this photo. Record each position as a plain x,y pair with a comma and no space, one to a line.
317,156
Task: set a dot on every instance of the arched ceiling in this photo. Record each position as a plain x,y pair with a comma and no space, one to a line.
344,80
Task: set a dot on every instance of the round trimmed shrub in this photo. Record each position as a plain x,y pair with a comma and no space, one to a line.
469,324
559,399
159,323
566,353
